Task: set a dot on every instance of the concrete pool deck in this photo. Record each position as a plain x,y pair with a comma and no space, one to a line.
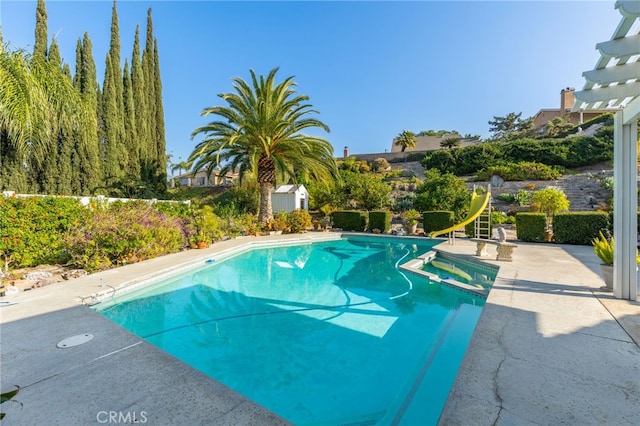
550,348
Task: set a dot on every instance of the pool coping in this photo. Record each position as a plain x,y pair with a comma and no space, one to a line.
115,358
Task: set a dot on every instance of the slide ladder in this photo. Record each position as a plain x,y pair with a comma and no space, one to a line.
479,214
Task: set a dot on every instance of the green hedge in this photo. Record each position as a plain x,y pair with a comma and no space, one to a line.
32,229
579,227
380,219
436,220
350,220
530,226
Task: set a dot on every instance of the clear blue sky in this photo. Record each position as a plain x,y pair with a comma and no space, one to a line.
372,69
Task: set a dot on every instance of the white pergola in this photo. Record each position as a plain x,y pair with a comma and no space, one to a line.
615,82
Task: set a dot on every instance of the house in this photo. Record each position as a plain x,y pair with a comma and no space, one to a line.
542,117
287,198
202,179
433,143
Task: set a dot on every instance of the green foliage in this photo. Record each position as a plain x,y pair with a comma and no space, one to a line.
499,218
8,396
404,202
603,247
406,139
380,219
410,216
579,227
520,171
549,201
530,226
442,192
510,126
274,145
350,220
379,165
437,220
245,197
31,229
298,220
123,233
568,152
367,191
606,118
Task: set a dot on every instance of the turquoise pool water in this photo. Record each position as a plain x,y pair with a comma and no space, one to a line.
325,333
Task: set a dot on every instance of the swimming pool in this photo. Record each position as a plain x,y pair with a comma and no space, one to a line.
324,333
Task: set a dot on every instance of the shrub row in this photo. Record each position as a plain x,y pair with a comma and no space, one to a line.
568,152
359,221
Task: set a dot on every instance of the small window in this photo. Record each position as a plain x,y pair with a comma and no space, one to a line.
184,181
201,181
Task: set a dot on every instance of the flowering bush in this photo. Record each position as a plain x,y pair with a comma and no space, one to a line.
123,233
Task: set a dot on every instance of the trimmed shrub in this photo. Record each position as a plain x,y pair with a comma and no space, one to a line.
579,227
298,220
436,220
350,220
530,226
380,219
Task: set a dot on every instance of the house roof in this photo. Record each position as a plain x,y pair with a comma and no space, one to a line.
288,189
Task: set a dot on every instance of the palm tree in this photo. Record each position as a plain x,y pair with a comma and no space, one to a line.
260,134
450,143
406,139
36,100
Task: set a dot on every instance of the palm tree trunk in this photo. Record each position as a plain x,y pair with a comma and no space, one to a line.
265,213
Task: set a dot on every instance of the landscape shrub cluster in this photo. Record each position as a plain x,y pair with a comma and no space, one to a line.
32,229
569,153
526,170
123,233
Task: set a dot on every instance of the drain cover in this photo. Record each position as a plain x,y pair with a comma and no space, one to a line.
72,341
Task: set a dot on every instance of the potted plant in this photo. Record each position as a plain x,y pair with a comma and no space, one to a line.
603,247
410,219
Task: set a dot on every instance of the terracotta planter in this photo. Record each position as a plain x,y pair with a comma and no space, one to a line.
202,245
548,236
607,276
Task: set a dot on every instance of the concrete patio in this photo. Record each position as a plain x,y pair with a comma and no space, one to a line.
550,348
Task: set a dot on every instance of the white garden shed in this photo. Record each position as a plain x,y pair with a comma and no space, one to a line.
287,198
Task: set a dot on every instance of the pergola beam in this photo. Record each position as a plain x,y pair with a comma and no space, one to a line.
620,47
615,74
604,94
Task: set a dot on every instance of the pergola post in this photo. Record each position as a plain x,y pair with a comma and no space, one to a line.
625,204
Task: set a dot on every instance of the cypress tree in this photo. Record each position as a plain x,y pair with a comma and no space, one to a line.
161,181
149,85
133,167
113,109
140,103
88,162
40,46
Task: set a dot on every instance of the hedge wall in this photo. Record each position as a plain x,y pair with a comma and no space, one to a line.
350,220
380,219
436,220
579,227
530,226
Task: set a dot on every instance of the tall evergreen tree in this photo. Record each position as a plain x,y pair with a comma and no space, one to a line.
161,180
133,149
40,45
113,108
88,159
149,85
140,105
